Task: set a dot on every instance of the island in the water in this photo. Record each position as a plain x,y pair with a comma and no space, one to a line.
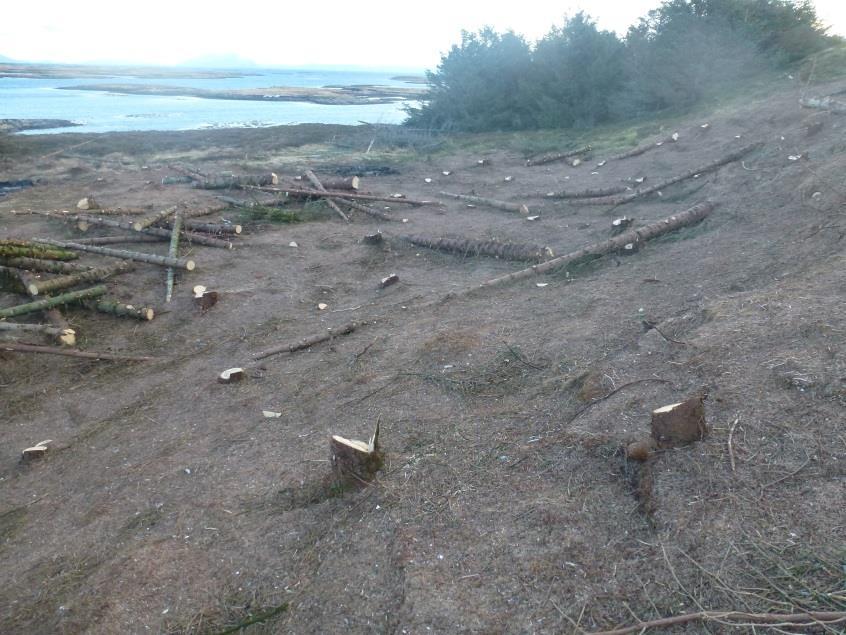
359,94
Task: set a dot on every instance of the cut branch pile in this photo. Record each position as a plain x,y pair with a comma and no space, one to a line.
470,247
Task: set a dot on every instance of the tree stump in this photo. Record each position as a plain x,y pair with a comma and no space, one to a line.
679,423
355,462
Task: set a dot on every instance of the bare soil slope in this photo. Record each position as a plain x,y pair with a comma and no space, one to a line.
170,504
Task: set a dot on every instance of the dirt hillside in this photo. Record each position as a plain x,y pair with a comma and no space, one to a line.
169,504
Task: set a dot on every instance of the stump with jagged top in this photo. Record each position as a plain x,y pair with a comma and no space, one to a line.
355,462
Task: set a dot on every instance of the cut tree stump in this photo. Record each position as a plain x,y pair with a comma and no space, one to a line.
50,350
163,261
489,202
308,342
231,375
680,423
355,462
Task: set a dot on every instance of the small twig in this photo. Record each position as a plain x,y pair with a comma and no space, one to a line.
613,392
775,619
50,350
730,447
791,475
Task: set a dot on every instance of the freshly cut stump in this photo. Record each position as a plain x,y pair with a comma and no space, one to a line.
355,462
679,423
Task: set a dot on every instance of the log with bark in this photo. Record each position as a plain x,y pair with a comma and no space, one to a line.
825,103
53,314
635,236
84,221
353,461
39,264
47,303
709,167
347,195
350,183
40,287
312,177
28,249
118,309
237,182
151,219
50,350
646,147
173,252
153,259
559,156
66,336
494,248
117,240
605,191
10,280
206,228
308,342
489,202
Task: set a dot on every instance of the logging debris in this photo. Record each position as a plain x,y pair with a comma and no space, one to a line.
308,342
470,247
50,350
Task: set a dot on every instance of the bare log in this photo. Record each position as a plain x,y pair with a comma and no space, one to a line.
50,350
355,462
709,167
312,177
489,202
344,183
738,618
116,240
85,220
40,287
635,236
605,191
236,182
559,156
153,259
824,103
39,264
348,195
54,331
118,309
494,248
173,252
47,303
313,340
144,223
28,249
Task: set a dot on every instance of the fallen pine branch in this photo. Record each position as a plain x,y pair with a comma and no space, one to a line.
489,202
815,618
308,342
52,350
710,167
559,156
632,237
144,223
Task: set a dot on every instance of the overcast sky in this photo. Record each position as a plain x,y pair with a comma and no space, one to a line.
377,33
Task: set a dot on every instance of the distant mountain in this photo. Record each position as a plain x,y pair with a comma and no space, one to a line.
224,60
6,60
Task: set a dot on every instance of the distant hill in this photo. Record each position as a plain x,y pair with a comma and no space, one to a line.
6,60
226,60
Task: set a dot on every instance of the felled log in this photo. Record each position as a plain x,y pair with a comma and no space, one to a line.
53,314
153,259
65,335
151,219
709,167
47,303
84,221
635,236
368,210
173,252
308,342
118,309
824,103
236,182
28,249
353,461
50,350
10,280
343,183
348,195
646,147
40,287
39,264
494,248
559,156
605,191
207,228
312,177
192,173
679,423
116,240
489,202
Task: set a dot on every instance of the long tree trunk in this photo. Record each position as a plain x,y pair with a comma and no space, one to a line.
40,287
173,252
85,220
118,309
559,156
312,177
53,314
49,350
28,249
39,264
235,182
494,248
347,195
489,202
635,236
150,219
308,342
341,183
153,259
47,303
117,240
709,167
825,103
206,228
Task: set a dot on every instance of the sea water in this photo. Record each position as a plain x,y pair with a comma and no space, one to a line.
96,111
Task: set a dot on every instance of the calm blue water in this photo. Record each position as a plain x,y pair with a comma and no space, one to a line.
105,112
